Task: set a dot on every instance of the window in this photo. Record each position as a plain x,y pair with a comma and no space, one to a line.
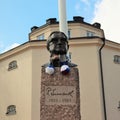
12,65
40,37
69,33
90,34
117,59
11,110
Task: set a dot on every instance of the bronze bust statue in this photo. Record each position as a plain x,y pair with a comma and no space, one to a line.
57,45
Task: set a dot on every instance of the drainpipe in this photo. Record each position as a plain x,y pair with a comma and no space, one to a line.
102,77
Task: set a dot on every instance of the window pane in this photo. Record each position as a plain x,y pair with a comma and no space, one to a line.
69,34
90,34
40,37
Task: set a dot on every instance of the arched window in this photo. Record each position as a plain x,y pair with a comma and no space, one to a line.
11,110
12,65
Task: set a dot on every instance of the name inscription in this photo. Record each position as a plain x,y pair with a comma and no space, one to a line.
60,95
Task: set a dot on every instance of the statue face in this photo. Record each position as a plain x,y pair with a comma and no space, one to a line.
58,43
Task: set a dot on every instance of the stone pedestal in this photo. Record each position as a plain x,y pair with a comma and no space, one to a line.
60,96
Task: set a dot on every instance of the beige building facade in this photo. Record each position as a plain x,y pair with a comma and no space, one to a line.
98,63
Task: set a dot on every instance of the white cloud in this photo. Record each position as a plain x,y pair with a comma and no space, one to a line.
79,6
11,47
107,13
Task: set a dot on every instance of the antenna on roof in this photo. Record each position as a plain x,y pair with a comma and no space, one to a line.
62,16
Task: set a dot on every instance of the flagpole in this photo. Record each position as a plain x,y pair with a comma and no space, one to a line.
62,16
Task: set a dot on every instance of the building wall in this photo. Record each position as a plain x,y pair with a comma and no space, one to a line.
45,30
80,30
40,56
111,72
85,54
15,86
76,30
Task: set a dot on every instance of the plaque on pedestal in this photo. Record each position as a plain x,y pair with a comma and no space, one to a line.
60,96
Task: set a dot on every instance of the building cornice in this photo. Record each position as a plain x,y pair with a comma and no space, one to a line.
94,40
112,45
22,48
79,41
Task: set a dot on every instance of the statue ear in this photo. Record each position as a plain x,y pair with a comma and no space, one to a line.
68,47
48,47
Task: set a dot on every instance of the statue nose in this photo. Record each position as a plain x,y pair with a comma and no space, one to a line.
59,42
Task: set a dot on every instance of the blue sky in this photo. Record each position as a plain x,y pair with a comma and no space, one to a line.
18,16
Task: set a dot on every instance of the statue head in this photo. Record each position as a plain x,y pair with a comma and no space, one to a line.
57,43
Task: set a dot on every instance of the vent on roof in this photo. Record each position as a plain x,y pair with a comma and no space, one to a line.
97,25
78,19
34,28
51,20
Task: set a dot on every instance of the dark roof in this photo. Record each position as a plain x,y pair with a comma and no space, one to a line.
76,19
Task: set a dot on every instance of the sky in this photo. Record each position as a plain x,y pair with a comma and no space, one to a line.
18,16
